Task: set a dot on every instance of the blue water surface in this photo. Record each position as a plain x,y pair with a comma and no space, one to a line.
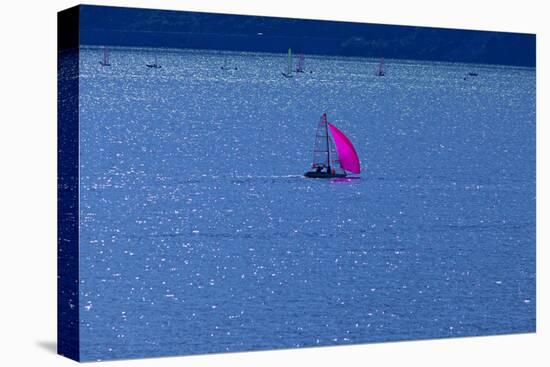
199,233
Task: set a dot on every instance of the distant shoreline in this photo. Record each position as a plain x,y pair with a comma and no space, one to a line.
134,27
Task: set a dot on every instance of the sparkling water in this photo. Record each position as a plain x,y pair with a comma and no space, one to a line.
200,234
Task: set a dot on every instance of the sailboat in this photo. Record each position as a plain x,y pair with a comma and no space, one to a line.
300,66
154,65
105,61
327,161
381,70
288,72
225,66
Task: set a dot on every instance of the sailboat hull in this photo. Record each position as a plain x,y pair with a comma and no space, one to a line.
314,174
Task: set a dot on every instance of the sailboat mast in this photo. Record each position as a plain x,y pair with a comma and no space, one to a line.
289,66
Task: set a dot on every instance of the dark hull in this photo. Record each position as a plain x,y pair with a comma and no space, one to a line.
154,66
104,63
323,175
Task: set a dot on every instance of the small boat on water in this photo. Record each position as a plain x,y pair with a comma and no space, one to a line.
225,66
105,61
329,162
154,65
288,73
471,73
381,69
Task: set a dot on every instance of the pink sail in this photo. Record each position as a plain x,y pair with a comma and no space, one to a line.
346,152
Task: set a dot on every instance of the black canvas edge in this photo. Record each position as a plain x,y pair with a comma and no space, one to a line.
68,39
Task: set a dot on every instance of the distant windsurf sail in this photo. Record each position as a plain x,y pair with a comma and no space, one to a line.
289,61
288,72
381,69
300,65
346,151
105,61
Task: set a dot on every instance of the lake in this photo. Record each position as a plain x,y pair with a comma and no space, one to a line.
199,233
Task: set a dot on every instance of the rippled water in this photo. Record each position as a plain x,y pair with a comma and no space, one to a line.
199,233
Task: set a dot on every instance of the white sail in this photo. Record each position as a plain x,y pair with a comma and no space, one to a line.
288,72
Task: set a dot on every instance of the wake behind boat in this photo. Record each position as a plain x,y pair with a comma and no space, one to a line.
327,161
